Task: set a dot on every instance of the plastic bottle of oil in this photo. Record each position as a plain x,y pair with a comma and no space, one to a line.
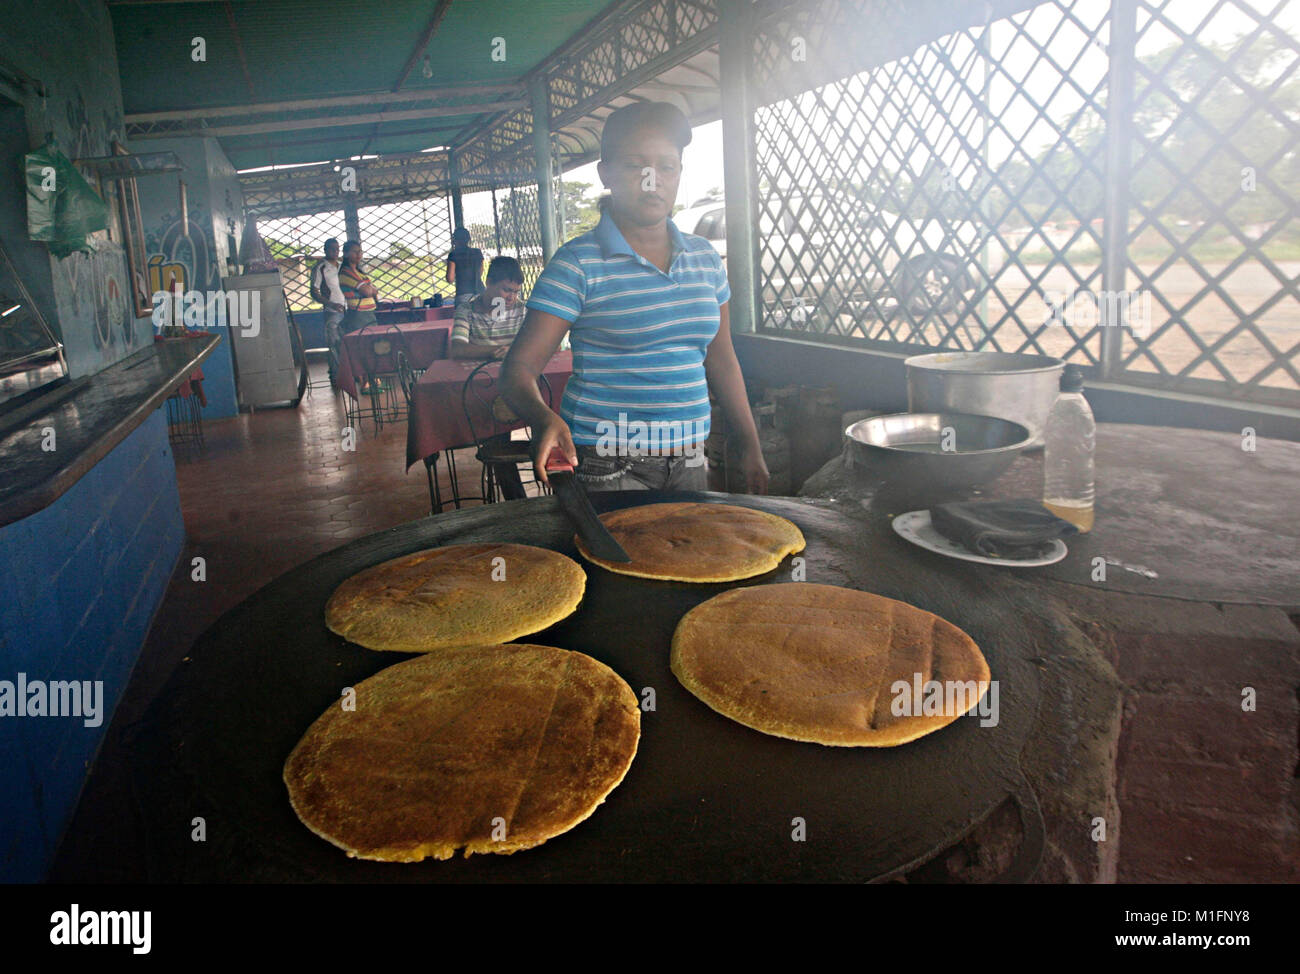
1069,439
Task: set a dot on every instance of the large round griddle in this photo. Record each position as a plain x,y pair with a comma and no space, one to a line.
705,798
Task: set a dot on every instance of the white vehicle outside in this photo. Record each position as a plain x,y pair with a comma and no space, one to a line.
869,254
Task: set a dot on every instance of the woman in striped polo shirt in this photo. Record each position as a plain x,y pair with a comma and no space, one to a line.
645,307
358,290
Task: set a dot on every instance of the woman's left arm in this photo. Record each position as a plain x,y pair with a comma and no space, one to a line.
722,369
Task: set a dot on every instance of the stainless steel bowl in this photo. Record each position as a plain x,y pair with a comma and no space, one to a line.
1021,388
936,450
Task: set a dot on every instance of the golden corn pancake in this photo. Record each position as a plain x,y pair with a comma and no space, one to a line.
489,749
688,542
456,595
821,663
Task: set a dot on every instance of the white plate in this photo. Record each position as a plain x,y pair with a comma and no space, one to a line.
915,526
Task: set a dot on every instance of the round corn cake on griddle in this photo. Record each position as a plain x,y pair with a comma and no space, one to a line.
456,595
687,542
489,749
819,663
707,800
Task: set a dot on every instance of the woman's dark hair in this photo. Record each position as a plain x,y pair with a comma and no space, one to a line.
349,245
460,237
505,269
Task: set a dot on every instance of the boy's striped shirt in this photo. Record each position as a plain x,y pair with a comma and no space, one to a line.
487,327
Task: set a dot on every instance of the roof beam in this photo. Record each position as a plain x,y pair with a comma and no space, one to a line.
334,101
430,29
290,143
239,49
332,121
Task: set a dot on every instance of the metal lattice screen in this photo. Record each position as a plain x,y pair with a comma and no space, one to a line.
1214,235
500,162
954,197
505,220
481,221
404,247
521,229
297,243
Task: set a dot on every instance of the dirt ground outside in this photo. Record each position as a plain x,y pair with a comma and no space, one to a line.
1020,305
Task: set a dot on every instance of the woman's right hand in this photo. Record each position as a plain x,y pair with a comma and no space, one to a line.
553,433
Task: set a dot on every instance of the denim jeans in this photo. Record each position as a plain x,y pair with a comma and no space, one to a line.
333,335
596,472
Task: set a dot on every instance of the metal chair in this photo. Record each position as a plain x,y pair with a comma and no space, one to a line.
492,447
379,377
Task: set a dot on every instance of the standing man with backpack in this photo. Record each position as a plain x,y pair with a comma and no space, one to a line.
325,291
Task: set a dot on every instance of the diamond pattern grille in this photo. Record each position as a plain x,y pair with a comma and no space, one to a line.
518,231
954,194
635,42
297,243
404,246
1214,235
958,185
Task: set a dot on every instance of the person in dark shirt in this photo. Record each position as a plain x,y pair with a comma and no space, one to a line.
464,266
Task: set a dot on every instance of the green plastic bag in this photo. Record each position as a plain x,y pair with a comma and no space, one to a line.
62,208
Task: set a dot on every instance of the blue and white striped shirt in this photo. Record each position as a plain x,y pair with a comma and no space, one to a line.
639,336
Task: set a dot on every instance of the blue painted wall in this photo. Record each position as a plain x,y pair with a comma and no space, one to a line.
68,46
200,251
219,380
83,578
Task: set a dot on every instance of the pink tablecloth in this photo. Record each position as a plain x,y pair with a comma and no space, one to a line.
374,349
438,422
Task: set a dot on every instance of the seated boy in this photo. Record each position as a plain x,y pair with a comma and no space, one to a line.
484,329
485,326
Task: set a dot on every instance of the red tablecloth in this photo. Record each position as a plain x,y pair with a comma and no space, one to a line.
374,349
438,422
